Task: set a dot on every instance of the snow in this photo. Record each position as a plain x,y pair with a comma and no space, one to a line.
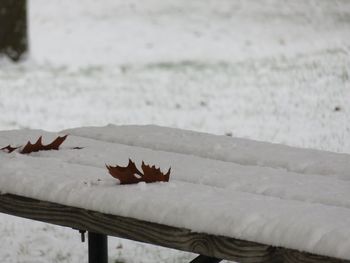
156,31
269,70
267,204
242,151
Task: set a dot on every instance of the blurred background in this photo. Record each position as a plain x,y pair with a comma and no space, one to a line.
271,70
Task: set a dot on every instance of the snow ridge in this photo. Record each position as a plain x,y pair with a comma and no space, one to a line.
224,148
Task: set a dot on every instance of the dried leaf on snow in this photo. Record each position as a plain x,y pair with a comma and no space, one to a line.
38,146
9,148
131,175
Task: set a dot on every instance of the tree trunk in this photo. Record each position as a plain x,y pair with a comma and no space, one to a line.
13,28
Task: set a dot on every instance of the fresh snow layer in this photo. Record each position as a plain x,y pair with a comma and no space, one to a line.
224,148
267,204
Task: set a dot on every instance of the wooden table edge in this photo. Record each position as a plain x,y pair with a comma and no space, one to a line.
157,234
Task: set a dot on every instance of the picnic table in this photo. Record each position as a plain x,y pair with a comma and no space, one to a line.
227,198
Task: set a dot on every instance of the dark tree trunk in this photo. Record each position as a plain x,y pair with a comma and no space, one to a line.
13,28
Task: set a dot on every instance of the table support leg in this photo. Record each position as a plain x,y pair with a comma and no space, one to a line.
205,259
98,252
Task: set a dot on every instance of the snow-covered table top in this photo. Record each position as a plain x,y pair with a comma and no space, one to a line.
254,191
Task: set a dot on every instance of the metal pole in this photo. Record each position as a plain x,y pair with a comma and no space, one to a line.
205,259
98,252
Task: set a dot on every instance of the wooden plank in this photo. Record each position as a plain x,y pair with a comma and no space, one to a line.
157,234
292,256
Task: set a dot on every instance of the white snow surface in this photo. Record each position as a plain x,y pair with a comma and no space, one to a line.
268,70
271,204
224,148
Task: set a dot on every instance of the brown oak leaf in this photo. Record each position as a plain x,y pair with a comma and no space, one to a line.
37,146
131,175
9,148
153,174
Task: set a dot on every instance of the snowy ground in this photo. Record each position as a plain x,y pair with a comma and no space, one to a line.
270,70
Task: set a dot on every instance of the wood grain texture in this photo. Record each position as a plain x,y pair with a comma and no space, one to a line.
157,234
292,256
